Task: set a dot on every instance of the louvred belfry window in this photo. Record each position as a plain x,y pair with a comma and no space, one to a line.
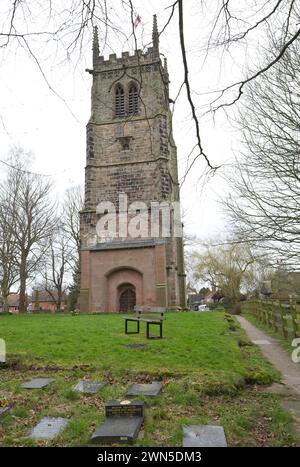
120,102
133,100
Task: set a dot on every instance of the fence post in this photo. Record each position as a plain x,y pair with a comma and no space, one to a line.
258,311
283,321
269,314
274,323
294,319
264,312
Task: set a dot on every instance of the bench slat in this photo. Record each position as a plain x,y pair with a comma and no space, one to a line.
144,318
152,319
149,309
132,318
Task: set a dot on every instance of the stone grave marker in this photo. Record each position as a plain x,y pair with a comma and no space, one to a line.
122,424
37,383
89,387
48,428
5,405
2,352
149,389
3,410
261,342
118,430
203,436
124,409
136,346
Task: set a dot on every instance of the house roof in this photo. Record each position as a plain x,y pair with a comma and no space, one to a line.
13,299
216,295
195,297
44,296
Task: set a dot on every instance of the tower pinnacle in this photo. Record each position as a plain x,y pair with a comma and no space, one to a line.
166,66
95,45
155,35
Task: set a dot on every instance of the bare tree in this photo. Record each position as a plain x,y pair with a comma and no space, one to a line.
30,205
56,265
265,203
72,205
9,274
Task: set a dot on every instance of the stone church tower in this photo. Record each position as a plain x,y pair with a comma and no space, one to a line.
130,151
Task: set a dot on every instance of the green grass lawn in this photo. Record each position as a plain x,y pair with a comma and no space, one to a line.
212,374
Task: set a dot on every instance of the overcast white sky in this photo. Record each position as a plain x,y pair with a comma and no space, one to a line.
51,123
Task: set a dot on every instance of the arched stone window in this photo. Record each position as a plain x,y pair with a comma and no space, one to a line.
133,100
120,101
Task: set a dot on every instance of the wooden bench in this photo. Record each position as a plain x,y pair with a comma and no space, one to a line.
149,315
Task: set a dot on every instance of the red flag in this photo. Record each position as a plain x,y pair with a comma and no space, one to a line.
138,19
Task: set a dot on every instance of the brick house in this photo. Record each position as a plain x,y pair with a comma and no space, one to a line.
194,300
12,302
213,296
46,301
131,151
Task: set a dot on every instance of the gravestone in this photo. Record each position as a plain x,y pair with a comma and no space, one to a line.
261,342
48,428
203,436
2,352
118,430
88,387
122,424
136,346
3,410
124,409
150,389
37,383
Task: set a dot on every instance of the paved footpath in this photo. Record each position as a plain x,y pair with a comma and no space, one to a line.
282,361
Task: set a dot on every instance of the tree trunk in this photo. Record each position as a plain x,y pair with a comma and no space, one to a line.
59,299
23,280
4,297
5,306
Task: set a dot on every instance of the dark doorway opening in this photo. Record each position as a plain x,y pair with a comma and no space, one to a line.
127,299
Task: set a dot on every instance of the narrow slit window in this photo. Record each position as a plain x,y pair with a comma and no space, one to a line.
120,102
133,100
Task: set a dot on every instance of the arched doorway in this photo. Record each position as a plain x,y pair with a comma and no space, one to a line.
127,300
120,280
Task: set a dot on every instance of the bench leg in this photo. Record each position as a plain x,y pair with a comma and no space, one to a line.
132,332
160,331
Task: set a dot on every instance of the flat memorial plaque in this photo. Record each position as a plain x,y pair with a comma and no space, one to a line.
37,383
136,346
203,436
124,409
151,389
2,352
3,410
89,387
120,430
48,428
261,342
